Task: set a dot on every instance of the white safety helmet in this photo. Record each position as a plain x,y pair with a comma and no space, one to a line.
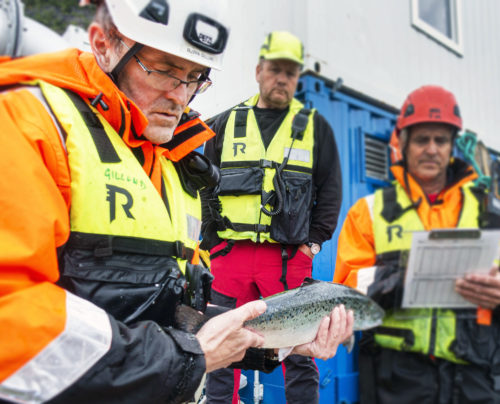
191,29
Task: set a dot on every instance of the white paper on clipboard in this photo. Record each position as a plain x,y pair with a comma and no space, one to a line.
439,257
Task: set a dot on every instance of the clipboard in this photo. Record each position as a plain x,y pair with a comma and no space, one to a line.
439,257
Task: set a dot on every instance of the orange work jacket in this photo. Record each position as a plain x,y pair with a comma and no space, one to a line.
356,245
35,195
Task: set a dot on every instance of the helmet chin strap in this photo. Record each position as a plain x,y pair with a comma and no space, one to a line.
136,47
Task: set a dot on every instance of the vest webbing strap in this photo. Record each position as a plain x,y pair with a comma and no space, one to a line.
225,223
256,228
264,164
104,245
407,335
392,209
105,149
240,121
284,262
224,251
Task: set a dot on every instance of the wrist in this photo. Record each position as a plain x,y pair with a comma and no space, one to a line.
314,247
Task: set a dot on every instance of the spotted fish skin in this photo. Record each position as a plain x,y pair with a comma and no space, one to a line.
293,317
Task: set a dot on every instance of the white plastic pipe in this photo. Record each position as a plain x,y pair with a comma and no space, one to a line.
38,38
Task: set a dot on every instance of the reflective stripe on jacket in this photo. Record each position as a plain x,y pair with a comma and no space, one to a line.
248,170
38,318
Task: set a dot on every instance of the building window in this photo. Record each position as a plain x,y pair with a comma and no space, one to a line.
440,19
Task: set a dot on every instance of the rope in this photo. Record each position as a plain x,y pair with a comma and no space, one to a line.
467,145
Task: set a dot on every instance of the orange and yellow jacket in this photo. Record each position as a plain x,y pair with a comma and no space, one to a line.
377,229
356,245
53,344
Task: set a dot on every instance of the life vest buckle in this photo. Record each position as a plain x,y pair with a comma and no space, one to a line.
266,163
179,249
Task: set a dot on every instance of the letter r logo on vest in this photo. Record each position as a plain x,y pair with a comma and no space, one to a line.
398,231
111,198
241,146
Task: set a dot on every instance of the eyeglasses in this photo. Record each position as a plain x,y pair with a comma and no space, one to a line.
165,81
425,140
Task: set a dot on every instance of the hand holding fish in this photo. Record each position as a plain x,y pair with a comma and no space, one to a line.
224,340
333,330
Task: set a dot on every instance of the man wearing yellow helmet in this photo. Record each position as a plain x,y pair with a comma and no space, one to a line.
278,200
100,213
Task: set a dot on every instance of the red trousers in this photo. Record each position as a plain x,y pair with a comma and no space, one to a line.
253,270
247,272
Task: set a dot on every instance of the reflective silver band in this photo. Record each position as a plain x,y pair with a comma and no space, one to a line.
85,339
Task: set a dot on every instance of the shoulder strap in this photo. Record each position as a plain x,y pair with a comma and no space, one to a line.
391,208
105,149
240,120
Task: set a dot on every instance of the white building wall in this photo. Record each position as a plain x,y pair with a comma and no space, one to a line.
374,48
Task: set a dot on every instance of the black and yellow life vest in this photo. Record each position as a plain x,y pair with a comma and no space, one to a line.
425,331
265,197
126,248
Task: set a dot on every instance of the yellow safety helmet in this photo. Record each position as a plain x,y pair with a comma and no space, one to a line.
282,45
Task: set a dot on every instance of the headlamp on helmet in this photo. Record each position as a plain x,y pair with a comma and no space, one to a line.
193,30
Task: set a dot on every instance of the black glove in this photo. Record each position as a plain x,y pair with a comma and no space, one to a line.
197,172
387,287
257,359
199,286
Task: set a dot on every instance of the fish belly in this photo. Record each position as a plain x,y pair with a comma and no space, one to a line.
290,337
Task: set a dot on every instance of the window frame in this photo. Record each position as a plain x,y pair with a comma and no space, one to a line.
455,45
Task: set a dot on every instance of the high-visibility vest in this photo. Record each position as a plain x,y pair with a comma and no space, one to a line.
425,331
248,170
111,195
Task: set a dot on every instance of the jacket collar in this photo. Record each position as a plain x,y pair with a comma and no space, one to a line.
458,174
79,72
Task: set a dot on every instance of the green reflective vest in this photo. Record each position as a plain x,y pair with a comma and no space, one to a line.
111,195
247,173
425,331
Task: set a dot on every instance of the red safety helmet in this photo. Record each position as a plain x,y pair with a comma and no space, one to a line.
429,104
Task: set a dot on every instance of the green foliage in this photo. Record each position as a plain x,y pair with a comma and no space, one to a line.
58,14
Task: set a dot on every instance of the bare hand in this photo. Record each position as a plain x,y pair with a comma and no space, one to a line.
223,338
333,330
481,289
306,250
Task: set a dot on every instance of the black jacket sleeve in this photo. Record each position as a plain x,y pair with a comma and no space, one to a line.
387,286
145,364
213,151
327,182
213,147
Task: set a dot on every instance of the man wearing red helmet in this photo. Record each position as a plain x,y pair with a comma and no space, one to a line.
421,355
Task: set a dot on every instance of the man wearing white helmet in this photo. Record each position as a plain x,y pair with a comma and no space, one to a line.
100,214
